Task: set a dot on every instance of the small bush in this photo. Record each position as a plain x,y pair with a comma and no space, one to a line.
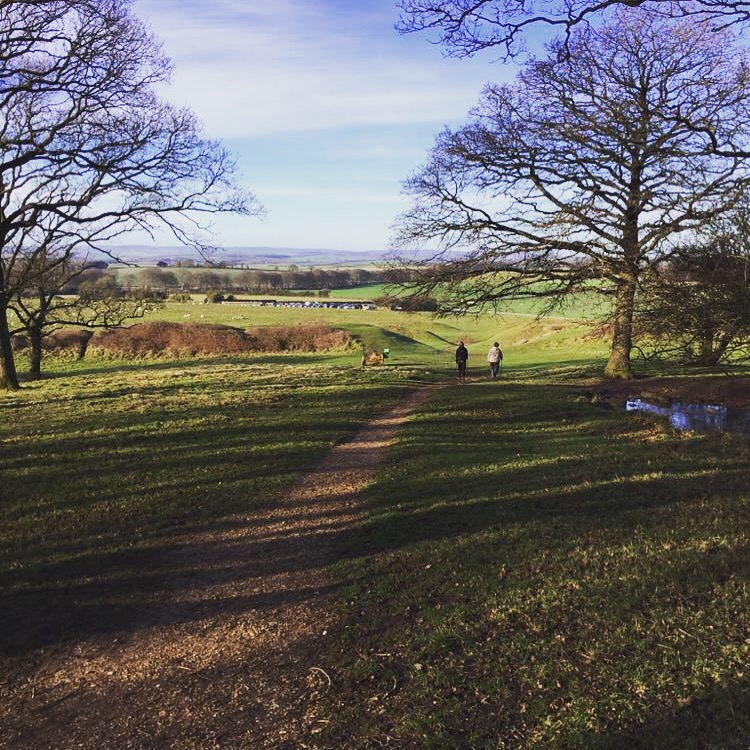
189,339
20,342
180,297
310,338
214,298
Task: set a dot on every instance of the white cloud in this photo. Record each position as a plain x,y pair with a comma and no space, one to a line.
252,68
340,196
326,106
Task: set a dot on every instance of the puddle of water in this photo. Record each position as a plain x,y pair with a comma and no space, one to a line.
697,417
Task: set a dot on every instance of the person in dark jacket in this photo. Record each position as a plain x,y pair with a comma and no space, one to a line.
462,357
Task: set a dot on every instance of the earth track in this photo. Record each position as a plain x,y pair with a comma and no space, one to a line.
228,657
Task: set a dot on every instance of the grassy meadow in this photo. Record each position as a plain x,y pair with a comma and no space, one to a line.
533,571
107,465
536,572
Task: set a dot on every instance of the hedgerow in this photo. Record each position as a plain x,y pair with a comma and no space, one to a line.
160,338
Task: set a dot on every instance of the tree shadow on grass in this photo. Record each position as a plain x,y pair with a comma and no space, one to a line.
291,359
63,595
108,591
522,528
715,719
97,513
115,590
93,573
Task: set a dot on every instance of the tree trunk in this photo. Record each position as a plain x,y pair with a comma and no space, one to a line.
8,375
83,343
35,339
618,365
712,348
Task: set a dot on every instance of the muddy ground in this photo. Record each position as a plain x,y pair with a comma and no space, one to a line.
727,390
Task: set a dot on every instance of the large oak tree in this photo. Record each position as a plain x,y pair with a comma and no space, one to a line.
88,150
466,27
586,168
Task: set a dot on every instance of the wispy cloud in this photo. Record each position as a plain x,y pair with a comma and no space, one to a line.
326,107
250,68
340,196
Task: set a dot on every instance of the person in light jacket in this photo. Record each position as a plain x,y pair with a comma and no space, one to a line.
495,357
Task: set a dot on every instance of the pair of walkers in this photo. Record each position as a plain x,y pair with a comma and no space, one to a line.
494,358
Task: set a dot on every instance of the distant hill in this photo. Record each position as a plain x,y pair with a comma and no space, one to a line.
282,256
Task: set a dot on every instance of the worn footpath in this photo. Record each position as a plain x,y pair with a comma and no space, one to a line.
228,658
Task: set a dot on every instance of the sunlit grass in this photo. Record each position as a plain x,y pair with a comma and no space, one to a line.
107,463
421,338
533,571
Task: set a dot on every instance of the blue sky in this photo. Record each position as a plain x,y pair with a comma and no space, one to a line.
326,107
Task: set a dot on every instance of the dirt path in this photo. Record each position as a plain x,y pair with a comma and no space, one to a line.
227,660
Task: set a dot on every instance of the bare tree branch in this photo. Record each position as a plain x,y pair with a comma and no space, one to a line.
87,149
581,173
466,27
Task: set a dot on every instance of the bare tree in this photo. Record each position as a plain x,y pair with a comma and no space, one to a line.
469,26
43,308
580,171
87,149
697,307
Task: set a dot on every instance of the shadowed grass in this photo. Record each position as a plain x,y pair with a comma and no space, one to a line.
538,573
104,471
534,572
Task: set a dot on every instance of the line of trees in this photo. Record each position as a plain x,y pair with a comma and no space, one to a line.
88,150
252,281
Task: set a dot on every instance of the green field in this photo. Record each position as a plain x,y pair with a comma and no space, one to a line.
419,338
369,292
540,573
533,571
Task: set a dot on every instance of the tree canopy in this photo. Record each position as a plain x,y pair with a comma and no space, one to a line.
586,169
696,308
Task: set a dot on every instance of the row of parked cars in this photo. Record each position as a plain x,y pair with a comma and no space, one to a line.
308,304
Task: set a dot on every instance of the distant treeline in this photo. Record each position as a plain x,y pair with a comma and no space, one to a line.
205,280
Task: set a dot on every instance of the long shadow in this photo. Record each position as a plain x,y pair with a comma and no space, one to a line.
479,487
450,507
531,481
125,366
122,591
716,719
103,501
518,468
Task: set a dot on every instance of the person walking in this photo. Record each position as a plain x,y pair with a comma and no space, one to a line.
462,357
495,357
